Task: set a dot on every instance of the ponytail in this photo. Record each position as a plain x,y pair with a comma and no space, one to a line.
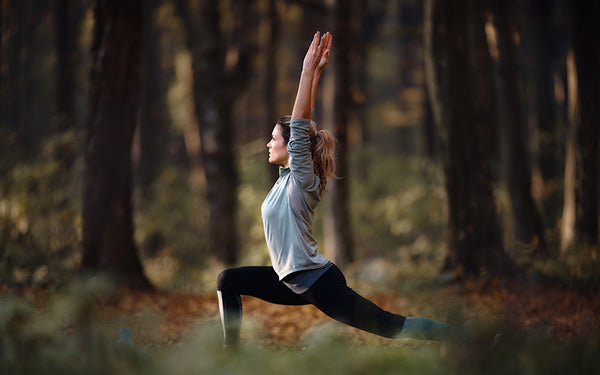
323,153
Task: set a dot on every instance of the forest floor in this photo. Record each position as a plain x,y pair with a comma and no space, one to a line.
160,319
561,314
73,329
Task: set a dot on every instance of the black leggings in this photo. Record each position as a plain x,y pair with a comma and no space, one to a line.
329,293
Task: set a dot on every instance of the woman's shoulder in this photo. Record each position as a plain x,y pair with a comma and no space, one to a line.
313,188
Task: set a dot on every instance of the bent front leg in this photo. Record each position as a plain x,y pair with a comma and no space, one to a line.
260,282
230,309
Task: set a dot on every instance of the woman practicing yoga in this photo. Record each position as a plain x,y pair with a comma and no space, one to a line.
299,274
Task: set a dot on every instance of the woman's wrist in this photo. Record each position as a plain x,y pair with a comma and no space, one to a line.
309,71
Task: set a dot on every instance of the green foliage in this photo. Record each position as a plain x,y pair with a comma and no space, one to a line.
171,228
397,206
64,338
578,267
40,212
252,191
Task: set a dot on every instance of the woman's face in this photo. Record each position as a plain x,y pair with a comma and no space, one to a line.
278,153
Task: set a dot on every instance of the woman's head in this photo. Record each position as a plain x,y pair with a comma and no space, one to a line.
322,147
277,146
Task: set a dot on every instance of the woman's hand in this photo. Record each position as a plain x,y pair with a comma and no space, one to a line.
315,60
326,42
317,55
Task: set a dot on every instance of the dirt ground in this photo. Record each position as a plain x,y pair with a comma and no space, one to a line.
562,313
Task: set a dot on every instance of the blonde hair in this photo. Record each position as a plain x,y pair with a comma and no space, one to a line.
322,148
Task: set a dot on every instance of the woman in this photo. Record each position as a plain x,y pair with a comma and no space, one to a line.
300,274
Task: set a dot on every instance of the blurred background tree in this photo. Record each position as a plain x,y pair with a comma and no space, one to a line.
112,118
338,106
461,81
221,52
468,135
585,40
500,31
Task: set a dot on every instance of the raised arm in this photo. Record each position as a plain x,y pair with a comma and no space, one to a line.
322,63
315,60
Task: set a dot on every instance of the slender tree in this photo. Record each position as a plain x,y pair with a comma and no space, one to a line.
68,15
528,223
9,48
221,66
543,42
338,239
152,113
17,59
458,70
113,107
368,17
271,76
358,134
567,223
411,67
585,44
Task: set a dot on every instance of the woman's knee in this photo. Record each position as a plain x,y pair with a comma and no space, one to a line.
224,280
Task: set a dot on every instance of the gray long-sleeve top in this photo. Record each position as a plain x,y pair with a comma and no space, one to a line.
288,209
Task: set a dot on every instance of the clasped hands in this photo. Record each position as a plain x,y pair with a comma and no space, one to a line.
317,55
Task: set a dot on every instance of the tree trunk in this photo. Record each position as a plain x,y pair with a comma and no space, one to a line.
338,239
529,230
428,138
152,113
370,20
9,64
271,79
544,37
221,70
67,20
458,70
567,224
17,58
585,48
358,134
113,106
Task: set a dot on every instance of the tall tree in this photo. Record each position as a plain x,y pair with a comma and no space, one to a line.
567,224
221,65
528,223
8,63
544,38
338,241
458,70
17,59
152,113
585,44
362,36
369,19
113,107
68,15
271,76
